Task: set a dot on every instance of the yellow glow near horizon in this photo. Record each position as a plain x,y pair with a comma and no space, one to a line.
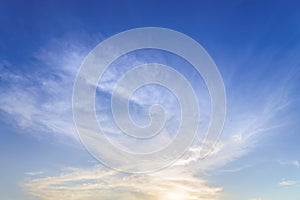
175,194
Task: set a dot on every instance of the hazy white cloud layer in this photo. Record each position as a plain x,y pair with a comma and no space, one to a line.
99,183
40,100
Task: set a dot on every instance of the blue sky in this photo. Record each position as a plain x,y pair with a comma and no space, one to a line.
255,45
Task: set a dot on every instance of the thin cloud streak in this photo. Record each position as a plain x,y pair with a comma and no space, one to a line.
294,163
99,183
40,101
288,183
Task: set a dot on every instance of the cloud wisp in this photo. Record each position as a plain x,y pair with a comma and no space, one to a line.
42,102
99,183
39,100
184,180
288,183
294,163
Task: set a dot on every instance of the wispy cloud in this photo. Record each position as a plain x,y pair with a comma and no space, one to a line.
286,183
184,180
99,183
41,101
34,173
294,163
256,198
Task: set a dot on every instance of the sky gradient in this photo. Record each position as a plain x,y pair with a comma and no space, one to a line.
255,45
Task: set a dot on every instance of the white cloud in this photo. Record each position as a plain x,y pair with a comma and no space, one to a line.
40,99
99,183
294,163
42,102
34,173
285,183
184,179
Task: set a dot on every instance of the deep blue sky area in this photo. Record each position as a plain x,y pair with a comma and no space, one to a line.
254,43
26,25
